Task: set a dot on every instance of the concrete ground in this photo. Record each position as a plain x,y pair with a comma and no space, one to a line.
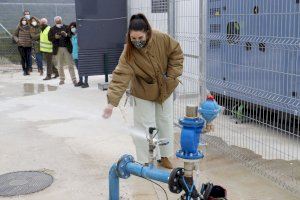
59,130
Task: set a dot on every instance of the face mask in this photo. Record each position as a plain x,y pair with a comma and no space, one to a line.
27,17
139,43
24,23
73,30
59,25
34,23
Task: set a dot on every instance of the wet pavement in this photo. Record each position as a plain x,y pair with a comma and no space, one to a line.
59,130
12,90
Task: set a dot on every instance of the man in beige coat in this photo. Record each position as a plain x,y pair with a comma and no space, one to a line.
152,62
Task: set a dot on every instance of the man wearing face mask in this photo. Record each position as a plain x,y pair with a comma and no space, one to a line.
46,48
151,63
23,39
62,49
35,31
26,14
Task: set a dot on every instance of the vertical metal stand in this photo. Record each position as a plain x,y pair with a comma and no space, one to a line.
104,86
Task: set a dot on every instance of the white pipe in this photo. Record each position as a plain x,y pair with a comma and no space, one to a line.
6,30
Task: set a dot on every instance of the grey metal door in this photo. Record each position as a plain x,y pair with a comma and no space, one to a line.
102,26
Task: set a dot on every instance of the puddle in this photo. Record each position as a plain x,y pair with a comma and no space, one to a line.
32,89
8,90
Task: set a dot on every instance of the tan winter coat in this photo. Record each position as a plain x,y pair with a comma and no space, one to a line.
22,35
153,71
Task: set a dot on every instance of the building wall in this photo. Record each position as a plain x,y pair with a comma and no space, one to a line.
266,76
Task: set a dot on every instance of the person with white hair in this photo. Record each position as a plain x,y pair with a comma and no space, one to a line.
46,48
62,49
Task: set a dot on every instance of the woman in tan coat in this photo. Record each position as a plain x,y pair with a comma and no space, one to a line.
151,63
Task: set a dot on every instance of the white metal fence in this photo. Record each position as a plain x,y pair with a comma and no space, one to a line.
246,53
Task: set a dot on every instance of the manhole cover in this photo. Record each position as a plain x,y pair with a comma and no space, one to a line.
21,183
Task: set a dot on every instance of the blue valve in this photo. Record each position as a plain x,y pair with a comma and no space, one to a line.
190,138
209,109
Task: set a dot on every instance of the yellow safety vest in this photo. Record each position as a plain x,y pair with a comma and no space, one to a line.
45,44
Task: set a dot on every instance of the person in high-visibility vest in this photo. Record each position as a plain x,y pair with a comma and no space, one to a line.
46,48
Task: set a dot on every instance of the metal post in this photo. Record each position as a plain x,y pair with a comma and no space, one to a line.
171,18
104,86
105,67
56,14
202,52
171,31
128,11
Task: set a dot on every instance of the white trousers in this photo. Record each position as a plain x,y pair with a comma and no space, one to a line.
150,114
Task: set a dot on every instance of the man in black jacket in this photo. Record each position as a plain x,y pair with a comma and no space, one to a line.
62,49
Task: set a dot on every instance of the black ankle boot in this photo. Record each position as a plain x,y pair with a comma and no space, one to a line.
78,84
85,85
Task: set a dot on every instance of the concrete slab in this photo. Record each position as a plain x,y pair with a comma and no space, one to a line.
60,131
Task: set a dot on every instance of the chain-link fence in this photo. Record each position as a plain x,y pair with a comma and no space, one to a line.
10,14
247,54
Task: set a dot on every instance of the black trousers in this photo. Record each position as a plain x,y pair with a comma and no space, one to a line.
25,53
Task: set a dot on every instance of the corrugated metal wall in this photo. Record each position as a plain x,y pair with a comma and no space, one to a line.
102,27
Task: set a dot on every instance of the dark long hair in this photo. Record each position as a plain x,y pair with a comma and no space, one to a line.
21,19
70,26
137,22
34,18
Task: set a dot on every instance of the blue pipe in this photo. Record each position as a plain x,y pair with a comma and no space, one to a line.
113,183
127,166
148,172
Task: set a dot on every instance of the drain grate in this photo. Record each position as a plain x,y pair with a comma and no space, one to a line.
21,183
